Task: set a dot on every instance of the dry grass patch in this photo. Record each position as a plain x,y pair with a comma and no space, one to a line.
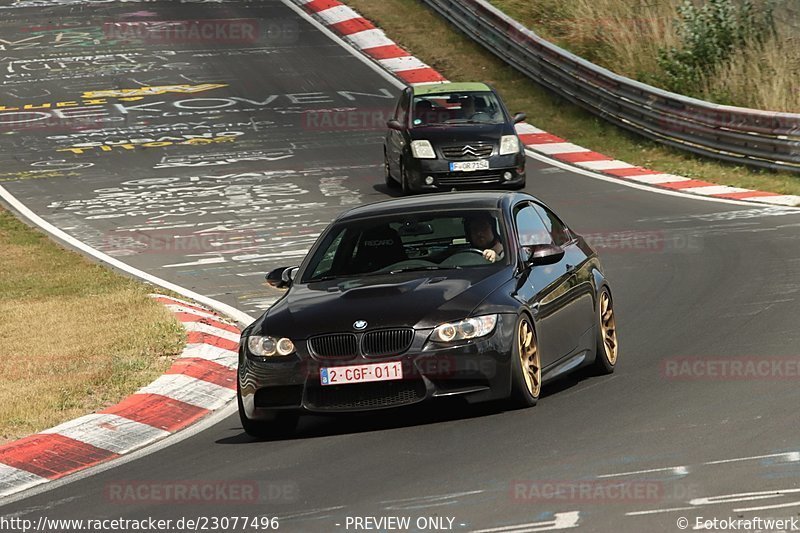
74,336
626,36
456,56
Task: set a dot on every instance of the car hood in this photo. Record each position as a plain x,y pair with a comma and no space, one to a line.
397,300
462,133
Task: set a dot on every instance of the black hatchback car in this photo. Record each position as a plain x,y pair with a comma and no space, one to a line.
447,135
482,295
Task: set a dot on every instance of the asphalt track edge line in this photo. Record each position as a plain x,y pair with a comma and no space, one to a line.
243,318
384,73
644,187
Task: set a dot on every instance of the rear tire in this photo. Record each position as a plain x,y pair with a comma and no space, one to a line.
607,350
387,175
526,365
283,425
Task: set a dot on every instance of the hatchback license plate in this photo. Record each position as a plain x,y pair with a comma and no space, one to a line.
469,166
361,373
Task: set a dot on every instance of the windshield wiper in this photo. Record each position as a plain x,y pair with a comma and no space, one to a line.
419,268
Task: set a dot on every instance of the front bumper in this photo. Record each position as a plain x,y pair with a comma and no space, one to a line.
477,370
417,170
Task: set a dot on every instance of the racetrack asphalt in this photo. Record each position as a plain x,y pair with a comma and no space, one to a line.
694,281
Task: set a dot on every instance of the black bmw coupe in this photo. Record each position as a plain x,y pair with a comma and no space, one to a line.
483,295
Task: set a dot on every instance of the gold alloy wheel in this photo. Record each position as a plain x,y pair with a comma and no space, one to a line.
529,358
608,325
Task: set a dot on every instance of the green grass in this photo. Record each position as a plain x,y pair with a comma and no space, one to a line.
75,336
457,57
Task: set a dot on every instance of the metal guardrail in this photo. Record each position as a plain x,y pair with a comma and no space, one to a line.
745,136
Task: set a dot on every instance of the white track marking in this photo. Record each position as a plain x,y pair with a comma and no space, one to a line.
677,470
15,480
399,64
211,353
524,128
715,189
211,330
655,179
367,39
190,390
109,432
788,200
657,511
604,164
557,148
560,521
337,14
792,456
175,308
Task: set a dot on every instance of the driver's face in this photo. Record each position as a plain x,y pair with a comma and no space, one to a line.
480,234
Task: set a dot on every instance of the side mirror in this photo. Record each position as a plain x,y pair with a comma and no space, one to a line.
394,124
519,117
542,254
282,277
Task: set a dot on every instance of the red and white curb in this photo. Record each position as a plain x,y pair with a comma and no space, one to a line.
373,42
201,380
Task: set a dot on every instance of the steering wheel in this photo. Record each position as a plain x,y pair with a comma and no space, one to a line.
481,116
476,250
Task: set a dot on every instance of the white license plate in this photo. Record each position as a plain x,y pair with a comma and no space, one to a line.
361,374
469,166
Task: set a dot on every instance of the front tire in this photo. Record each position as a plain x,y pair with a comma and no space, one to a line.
284,423
405,186
526,366
607,350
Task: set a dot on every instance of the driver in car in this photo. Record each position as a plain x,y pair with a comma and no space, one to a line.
468,107
480,230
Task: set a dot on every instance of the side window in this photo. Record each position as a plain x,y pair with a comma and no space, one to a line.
325,265
530,228
402,108
558,230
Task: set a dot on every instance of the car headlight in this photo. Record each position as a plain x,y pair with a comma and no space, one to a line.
422,150
470,328
509,144
269,346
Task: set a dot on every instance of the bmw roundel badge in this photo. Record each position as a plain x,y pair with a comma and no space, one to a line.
360,324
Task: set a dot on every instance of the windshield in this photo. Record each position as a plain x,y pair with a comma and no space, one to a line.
426,241
457,108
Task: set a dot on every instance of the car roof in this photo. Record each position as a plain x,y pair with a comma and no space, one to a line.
426,202
452,87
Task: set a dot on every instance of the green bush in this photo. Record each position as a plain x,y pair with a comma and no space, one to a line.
710,35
